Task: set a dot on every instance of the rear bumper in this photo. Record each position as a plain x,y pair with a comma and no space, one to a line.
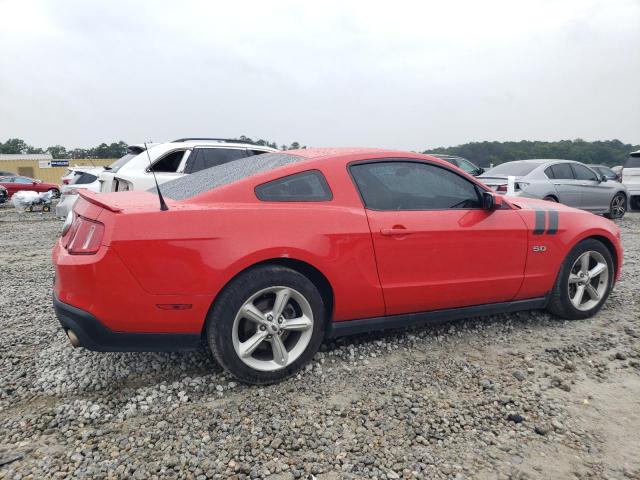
94,335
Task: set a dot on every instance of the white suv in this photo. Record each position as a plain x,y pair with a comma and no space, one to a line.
631,179
172,160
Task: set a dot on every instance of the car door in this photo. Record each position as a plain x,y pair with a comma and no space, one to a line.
435,246
567,188
23,183
595,194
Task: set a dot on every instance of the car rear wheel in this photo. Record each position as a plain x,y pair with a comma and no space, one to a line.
584,281
266,324
618,206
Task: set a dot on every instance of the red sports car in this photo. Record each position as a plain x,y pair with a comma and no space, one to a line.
266,256
18,183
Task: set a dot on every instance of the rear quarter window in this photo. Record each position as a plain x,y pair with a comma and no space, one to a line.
310,186
632,162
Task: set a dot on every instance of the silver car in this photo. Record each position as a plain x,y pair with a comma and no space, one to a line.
564,181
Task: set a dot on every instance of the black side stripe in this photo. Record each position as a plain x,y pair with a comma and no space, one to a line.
540,223
553,222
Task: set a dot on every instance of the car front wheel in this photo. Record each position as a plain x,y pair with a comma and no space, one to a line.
266,324
584,282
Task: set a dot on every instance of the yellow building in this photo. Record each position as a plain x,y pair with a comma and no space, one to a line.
43,167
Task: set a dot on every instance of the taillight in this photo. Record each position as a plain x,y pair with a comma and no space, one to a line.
65,181
84,237
501,188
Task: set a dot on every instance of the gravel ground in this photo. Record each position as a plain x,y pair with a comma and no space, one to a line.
521,396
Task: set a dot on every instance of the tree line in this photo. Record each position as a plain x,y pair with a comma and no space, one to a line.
113,150
607,152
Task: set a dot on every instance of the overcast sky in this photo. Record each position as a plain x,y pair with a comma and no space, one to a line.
407,75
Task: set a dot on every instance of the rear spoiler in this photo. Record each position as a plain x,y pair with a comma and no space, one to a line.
94,198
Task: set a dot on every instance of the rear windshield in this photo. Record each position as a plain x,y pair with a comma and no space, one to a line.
632,162
196,183
517,169
118,164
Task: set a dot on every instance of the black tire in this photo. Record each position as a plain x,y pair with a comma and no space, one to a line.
559,300
29,208
46,208
220,320
550,198
618,201
55,193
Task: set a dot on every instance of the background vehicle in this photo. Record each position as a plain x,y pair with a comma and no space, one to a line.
466,165
4,173
564,181
18,183
606,172
265,256
631,178
172,160
83,178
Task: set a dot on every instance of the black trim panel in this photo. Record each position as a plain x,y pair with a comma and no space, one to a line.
553,222
540,222
352,327
93,335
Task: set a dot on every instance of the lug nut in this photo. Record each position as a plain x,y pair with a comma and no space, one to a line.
263,328
280,320
270,317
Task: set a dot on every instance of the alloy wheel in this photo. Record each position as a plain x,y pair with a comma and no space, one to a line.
618,206
272,328
588,280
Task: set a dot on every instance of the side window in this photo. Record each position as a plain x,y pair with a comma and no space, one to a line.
308,186
23,180
562,171
202,158
583,173
84,178
413,186
169,163
549,172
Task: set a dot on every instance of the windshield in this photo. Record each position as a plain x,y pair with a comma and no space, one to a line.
517,169
467,166
210,178
118,164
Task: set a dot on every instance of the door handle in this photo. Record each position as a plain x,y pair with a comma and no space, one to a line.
396,231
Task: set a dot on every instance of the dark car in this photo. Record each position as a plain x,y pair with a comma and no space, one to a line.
606,172
466,165
4,173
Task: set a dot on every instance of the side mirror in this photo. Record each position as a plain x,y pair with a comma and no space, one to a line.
480,171
603,178
491,201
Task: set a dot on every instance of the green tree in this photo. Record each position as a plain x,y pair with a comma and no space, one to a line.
58,151
14,145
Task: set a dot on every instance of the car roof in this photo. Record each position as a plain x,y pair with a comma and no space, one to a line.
278,163
190,142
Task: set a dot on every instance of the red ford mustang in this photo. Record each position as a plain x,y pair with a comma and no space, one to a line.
266,256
